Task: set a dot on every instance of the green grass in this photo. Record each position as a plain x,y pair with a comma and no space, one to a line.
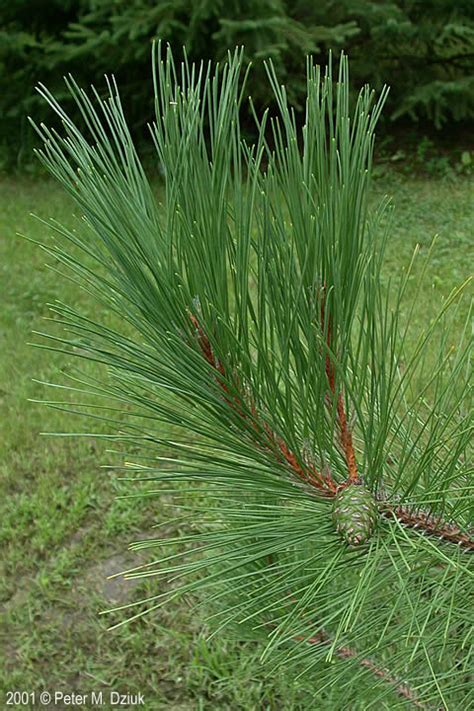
63,530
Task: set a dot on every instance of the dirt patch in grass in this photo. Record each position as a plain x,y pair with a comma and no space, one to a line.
116,589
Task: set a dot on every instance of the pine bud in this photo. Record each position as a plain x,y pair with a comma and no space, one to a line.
355,514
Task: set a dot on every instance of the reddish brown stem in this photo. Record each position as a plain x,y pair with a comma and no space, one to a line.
345,433
430,525
307,473
402,689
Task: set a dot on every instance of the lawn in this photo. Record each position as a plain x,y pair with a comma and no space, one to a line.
63,528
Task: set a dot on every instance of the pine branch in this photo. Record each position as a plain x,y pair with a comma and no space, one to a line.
309,474
429,525
425,523
345,434
400,688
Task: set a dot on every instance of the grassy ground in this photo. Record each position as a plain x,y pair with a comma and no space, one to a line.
63,531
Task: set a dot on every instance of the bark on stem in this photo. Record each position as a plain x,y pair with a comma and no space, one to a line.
430,525
307,472
345,433
400,688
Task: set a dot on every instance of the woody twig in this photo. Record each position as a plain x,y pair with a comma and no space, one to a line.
322,638
307,472
344,431
400,688
430,525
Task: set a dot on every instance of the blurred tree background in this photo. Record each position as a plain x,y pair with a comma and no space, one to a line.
423,48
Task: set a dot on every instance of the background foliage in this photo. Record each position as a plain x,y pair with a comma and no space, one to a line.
424,48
